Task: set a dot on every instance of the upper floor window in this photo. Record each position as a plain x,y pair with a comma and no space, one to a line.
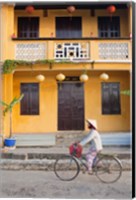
109,27
111,98
28,27
68,27
30,102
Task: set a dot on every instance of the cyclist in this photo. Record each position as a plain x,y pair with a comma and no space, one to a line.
95,143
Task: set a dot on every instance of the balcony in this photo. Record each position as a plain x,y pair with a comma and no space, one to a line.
82,50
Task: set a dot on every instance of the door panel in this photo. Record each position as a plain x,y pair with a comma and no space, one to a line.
70,106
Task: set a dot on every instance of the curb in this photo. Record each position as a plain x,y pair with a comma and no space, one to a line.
43,164
31,156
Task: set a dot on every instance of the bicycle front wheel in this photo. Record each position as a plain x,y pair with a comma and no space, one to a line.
108,169
66,168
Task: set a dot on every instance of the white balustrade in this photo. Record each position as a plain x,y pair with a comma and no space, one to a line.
30,52
113,51
71,51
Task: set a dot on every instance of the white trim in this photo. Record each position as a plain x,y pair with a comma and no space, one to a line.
96,61
113,61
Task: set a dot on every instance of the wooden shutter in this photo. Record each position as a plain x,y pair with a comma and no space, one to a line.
30,102
111,98
28,27
68,27
109,26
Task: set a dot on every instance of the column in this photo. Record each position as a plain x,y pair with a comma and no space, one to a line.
7,98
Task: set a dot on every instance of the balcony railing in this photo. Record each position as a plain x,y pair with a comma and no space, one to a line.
113,51
30,51
77,50
71,51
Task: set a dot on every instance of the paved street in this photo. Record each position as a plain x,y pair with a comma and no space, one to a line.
40,184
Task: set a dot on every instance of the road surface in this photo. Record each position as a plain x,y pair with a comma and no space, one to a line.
40,184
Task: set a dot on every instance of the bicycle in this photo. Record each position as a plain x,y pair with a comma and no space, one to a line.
106,167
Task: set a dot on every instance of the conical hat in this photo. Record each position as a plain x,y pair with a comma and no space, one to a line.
92,122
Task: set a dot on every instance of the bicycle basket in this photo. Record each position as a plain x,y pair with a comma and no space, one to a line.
76,150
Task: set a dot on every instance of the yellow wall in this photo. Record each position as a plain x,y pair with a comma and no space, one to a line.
47,27
89,23
47,120
93,102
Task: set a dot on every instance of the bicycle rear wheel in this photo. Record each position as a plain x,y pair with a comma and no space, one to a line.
66,168
108,169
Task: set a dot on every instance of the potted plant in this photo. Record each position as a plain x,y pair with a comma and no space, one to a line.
10,141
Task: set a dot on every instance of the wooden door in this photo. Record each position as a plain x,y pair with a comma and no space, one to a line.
70,106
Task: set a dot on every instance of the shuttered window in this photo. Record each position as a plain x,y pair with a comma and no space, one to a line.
28,27
30,102
111,98
68,27
109,27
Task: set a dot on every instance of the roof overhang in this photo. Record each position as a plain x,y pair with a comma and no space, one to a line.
52,4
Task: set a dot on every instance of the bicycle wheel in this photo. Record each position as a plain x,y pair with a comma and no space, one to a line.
108,169
66,168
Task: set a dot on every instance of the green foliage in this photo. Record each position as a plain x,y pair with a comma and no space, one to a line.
8,108
11,104
10,65
126,92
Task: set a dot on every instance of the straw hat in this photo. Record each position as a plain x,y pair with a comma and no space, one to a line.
92,122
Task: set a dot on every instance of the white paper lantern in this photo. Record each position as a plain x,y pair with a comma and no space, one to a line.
84,77
40,78
104,76
60,77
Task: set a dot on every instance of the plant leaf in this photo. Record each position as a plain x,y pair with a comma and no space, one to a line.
126,92
3,103
12,103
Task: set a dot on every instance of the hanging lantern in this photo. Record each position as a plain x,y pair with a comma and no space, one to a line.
29,9
60,77
111,9
84,77
71,9
40,78
104,76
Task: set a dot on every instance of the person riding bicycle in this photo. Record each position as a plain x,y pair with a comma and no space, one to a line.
95,143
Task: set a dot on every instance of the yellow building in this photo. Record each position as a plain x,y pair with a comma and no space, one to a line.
51,39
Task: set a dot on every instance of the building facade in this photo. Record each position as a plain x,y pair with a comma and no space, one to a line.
63,41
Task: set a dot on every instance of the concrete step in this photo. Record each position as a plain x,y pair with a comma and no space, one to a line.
32,156
66,138
118,139
43,164
44,158
35,140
